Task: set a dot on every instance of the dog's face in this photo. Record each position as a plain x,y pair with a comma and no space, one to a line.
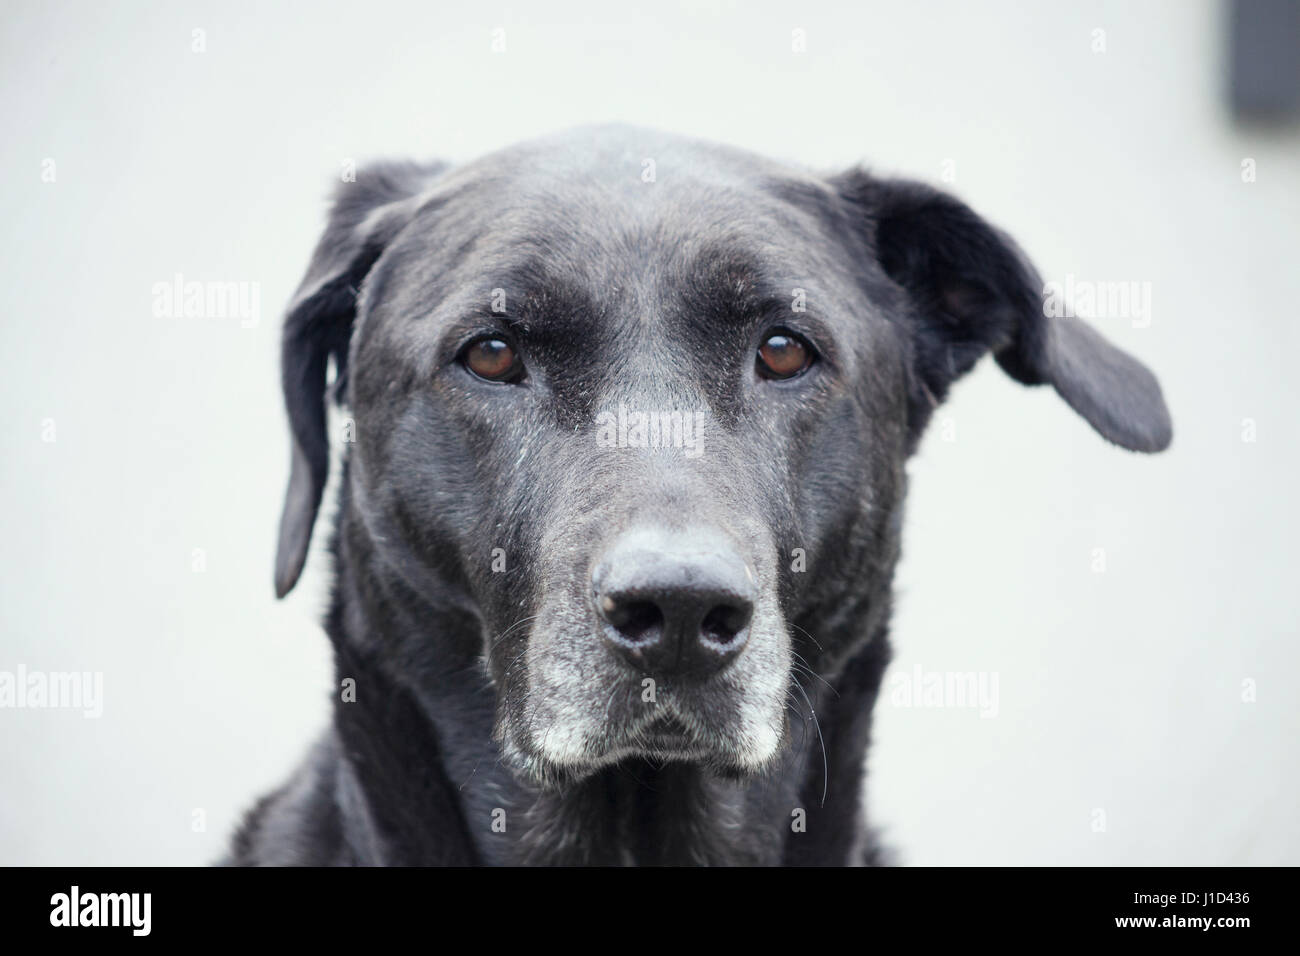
641,407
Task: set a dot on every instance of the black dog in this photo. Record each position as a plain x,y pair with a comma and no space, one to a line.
630,419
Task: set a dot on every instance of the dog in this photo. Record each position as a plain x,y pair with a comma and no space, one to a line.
620,503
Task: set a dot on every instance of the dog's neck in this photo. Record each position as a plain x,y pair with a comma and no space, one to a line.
426,783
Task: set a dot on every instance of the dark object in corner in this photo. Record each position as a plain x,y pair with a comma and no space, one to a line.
1264,59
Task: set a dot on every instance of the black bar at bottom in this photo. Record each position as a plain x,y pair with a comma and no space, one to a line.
215,905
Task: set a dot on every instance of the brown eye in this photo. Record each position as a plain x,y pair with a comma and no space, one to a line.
783,355
492,359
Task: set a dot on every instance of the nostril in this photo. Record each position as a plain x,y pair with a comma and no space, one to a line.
724,622
673,604
634,620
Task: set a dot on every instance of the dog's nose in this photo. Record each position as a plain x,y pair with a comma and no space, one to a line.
674,604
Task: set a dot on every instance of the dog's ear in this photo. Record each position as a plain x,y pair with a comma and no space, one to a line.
971,291
365,216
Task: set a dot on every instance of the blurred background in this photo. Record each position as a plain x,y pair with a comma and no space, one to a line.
1136,616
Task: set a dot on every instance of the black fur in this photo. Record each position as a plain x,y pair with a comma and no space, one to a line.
470,739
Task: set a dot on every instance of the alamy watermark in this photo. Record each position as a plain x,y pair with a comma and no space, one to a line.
129,910
1097,299
972,690
181,299
659,429
53,690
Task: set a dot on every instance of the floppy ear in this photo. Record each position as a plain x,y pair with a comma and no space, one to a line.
973,291
366,215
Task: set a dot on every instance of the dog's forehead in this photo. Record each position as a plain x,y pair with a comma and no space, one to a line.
627,163
610,210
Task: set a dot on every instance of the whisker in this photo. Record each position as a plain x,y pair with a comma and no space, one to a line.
803,721
826,772
502,636
813,673
806,634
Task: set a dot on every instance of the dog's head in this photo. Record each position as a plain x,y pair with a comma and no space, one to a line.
639,407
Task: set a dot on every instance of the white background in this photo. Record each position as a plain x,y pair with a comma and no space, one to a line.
1119,692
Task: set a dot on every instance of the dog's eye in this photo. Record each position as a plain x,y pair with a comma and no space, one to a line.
783,355
492,359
